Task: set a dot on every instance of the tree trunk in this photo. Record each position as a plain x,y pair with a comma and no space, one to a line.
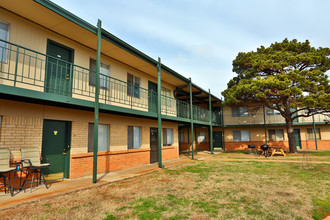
291,136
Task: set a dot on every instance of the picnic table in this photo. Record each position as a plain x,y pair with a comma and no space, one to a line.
276,150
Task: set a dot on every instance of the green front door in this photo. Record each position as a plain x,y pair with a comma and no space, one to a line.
152,97
217,139
55,147
297,138
58,69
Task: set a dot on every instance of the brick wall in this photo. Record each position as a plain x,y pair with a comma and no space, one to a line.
20,132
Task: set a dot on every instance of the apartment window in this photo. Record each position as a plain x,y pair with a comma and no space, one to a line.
4,35
167,137
133,137
241,135
166,97
201,136
181,136
276,135
239,111
270,111
310,134
103,138
133,85
104,74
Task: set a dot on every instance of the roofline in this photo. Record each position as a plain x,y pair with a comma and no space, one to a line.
113,39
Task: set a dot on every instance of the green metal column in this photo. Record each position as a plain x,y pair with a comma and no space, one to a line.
211,127
314,128
96,106
191,121
188,142
159,112
265,122
223,129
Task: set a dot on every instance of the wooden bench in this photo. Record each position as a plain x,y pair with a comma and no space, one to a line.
276,150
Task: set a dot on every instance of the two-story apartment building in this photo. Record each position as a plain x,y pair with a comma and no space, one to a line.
244,126
47,94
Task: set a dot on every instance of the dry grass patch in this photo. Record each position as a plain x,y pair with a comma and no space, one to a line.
198,190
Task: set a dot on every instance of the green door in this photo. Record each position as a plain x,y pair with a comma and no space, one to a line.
152,97
58,69
55,147
153,145
297,138
217,139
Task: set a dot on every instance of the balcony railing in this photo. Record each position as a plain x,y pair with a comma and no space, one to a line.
258,119
25,68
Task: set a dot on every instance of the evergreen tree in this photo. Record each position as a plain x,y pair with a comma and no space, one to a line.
289,77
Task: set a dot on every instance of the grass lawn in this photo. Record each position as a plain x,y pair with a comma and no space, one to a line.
209,189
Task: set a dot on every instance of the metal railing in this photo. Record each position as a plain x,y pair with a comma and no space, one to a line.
258,119
25,68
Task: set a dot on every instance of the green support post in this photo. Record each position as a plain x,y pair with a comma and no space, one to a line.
96,107
211,127
188,142
191,121
314,128
223,129
159,90
265,122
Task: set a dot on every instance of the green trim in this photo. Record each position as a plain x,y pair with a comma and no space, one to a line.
96,103
191,120
113,39
68,152
211,128
159,113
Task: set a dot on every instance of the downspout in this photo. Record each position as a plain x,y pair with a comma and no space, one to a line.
159,116
211,128
191,121
96,104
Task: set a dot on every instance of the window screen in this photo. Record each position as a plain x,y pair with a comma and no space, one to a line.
103,138
133,137
167,137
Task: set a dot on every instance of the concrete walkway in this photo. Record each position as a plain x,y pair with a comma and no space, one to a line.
73,185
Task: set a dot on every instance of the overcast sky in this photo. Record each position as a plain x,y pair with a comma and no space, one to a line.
200,39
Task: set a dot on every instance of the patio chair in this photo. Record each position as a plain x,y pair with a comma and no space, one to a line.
31,161
5,168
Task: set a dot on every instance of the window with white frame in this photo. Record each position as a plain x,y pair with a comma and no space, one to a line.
201,136
103,137
133,137
181,136
4,35
167,136
104,74
241,111
310,134
133,85
270,111
241,135
275,134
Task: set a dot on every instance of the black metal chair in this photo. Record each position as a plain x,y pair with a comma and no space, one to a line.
6,169
33,166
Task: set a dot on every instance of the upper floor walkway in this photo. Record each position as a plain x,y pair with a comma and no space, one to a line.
28,73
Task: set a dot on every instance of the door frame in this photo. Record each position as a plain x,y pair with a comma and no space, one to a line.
49,41
68,144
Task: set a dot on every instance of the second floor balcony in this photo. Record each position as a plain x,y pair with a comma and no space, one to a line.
24,68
